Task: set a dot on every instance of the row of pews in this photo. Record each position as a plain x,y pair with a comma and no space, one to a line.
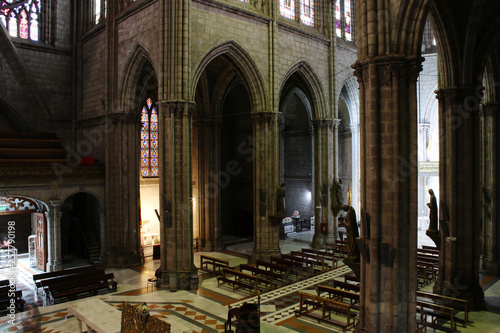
11,297
70,283
337,304
427,265
268,275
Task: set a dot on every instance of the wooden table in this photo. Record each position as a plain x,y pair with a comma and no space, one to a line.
96,315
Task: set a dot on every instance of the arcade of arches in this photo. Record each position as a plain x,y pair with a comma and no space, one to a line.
170,124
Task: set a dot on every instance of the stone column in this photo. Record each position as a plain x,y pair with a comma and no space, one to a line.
323,181
423,140
176,224
207,194
54,261
355,169
122,235
102,234
490,259
388,193
266,182
460,199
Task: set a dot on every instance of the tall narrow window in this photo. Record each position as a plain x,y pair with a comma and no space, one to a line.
97,11
338,25
21,20
149,140
287,8
307,12
347,11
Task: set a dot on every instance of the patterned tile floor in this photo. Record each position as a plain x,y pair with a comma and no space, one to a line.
205,310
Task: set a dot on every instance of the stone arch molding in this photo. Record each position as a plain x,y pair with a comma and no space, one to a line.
351,98
130,83
246,67
306,72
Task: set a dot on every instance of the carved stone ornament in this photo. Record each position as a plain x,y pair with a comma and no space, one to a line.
140,321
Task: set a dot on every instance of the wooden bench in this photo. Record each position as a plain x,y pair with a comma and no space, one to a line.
440,315
340,294
456,304
38,277
326,306
275,268
85,285
306,264
339,250
46,284
4,283
216,264
346,286
6,297
293,268
318,260
241,280
352,278
325,255
272,277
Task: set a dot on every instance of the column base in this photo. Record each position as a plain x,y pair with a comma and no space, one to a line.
473,294
490,266
264,255
318,241
178,279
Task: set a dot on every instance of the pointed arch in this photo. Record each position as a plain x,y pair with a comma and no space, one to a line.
13,118
349,92
311,87
245,67
139,78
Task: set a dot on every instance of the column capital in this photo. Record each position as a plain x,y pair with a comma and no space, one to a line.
319,124
55,202
177,108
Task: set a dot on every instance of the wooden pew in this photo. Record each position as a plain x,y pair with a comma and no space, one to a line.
340,294
326,306
439,315
294,268
339,250
351,278
38,277
284,271
45,284
306,264
319,260
272,277
346,286
79,286
6,297
325,255
4,283
241,280
456,304
216,264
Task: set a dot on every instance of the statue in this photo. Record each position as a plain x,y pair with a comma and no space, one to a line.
433,212
351,226
280,200
337,196
433,232
140,320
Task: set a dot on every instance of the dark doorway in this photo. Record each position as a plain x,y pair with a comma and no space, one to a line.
80,227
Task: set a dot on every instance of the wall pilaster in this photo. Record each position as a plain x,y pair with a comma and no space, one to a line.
266,182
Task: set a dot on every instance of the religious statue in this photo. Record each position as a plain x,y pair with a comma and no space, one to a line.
280,200
138,319
337,196
433,212
351,226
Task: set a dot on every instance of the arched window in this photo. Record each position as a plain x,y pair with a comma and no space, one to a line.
20,18
149,139
288,9
343,19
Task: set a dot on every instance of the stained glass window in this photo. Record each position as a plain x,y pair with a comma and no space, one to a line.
338,28
149,140
347,11
287,8
21,20
307,12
